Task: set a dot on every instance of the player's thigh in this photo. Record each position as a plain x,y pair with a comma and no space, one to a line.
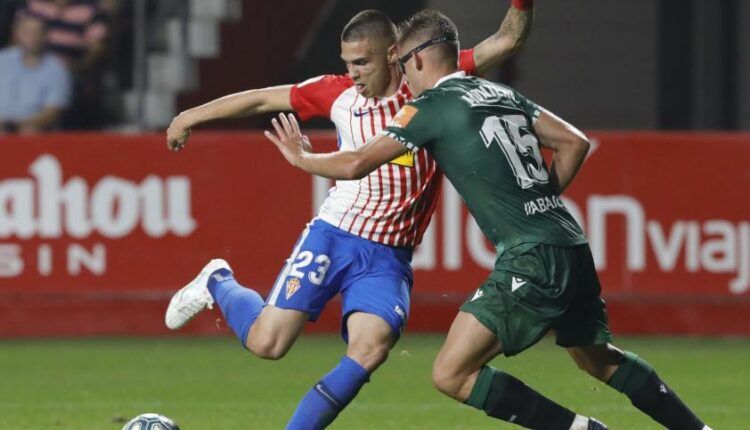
275,331
515,306
468,346
383,290
370,339
585,322
310,277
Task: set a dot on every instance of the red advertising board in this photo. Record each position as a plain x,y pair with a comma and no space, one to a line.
97,230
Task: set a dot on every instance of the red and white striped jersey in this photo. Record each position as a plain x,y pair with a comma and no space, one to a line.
393,204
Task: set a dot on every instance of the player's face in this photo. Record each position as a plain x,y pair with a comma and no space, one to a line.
370,64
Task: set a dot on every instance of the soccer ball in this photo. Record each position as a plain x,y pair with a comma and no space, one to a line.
151,422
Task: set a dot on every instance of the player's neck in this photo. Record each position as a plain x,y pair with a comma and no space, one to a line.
437,74
394,85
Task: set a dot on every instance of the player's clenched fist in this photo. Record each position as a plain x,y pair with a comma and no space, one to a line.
177,133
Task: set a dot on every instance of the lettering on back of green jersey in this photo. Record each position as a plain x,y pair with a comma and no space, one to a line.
485,94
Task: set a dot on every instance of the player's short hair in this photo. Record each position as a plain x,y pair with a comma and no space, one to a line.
369,23
430,24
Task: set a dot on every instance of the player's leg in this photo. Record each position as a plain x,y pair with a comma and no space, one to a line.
460,371
272,330
633,376
511,311
584,332
375,305
295,297
275,331
370,339
215,284
307,282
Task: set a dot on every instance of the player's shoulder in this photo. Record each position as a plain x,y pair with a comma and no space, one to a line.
447,92
341,82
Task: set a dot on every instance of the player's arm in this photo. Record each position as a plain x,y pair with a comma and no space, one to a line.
513,32
245,103
569,147
354,164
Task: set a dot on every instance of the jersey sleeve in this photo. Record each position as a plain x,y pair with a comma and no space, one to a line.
315,97
415,125
532,109
466,61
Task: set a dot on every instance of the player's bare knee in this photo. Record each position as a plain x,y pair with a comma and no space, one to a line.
369,355
446,379
267,348
447,383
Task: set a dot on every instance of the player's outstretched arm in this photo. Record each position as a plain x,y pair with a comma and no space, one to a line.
513,32
569,147
245,103
356,164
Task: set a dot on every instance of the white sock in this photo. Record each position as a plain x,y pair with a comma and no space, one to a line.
580,423
705,427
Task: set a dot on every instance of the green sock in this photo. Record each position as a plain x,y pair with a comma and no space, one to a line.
637,379
631,375
504,397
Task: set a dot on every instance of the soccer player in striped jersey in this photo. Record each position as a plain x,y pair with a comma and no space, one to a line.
360,243
486,137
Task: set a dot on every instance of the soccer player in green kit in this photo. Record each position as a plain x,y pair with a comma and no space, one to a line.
486,138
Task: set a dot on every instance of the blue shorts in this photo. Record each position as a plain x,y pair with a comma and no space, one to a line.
371,277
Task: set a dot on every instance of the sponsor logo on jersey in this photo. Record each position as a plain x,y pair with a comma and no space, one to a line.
477,295
406,160
542,204
292,285
404,116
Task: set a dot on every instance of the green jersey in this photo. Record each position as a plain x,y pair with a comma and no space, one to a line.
480,133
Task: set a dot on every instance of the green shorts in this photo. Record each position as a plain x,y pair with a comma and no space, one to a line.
545,288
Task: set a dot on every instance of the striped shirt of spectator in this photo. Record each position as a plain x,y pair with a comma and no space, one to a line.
73,26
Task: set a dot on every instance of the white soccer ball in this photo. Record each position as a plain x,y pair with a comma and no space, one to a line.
151,422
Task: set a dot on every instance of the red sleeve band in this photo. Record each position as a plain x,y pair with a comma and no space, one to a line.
466,61
522,4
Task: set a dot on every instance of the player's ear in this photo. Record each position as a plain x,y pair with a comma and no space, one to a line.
392,54
418,61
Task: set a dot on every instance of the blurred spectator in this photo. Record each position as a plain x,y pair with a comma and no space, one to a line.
34,84
76,30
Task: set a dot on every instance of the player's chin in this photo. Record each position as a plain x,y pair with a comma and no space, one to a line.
363,90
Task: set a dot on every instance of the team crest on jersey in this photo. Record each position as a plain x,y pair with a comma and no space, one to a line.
404,116
292,285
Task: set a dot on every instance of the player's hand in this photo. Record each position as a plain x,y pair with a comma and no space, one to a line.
289,138
178,133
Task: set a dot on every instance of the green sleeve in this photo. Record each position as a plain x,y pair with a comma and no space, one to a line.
532,109
416,124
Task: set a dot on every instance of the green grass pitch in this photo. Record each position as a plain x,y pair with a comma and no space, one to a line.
213,384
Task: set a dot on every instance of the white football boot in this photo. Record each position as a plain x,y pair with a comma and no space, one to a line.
193,297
